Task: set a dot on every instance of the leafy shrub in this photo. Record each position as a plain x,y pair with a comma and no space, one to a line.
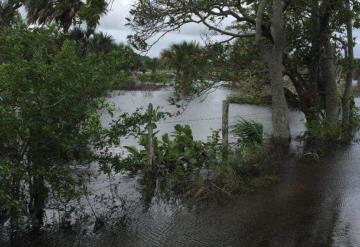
122,81
154,78
248,132
50,104
250,99
178,151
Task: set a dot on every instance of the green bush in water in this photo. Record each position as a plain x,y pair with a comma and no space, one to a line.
174,152
122,81
248,132
246,160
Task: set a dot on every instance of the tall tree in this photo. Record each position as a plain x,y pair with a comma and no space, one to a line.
309,26
167,16
273,55
62,12
65,12
328,72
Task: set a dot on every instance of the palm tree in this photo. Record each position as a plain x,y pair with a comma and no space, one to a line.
101,43
183,58
64,12
89,41
44,11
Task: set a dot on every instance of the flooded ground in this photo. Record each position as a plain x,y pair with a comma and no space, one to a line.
314,204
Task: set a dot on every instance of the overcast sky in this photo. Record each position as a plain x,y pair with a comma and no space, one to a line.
114,22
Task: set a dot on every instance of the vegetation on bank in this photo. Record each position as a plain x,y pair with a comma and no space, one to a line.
179,157
139,81
157,77
250,99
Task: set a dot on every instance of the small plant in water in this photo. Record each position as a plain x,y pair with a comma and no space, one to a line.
248,132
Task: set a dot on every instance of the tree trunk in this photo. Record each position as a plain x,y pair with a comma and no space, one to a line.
38,195
280,111
348,83
329,76
273,55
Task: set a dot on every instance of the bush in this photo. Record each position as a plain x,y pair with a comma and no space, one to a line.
154,78
248,132
50,105
251,100
122,81
178,152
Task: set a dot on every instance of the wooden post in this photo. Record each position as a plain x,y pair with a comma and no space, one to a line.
225,127
151,151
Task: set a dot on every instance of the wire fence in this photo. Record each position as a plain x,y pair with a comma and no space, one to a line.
218,118
264,117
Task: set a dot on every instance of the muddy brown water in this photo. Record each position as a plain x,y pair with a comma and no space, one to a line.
314,204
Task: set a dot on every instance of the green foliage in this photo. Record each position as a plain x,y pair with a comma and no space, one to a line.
238,62
50,101
320,132
354,116
179,156
244,169
248,132
154,78
151,64
65,12
48,110
187,60
8,12
122,81
246,160
309,28
178,153
120,59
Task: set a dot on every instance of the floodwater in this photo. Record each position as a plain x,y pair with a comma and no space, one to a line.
202,113
314,204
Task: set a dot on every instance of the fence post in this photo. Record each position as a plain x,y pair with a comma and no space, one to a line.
225,127
151,151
